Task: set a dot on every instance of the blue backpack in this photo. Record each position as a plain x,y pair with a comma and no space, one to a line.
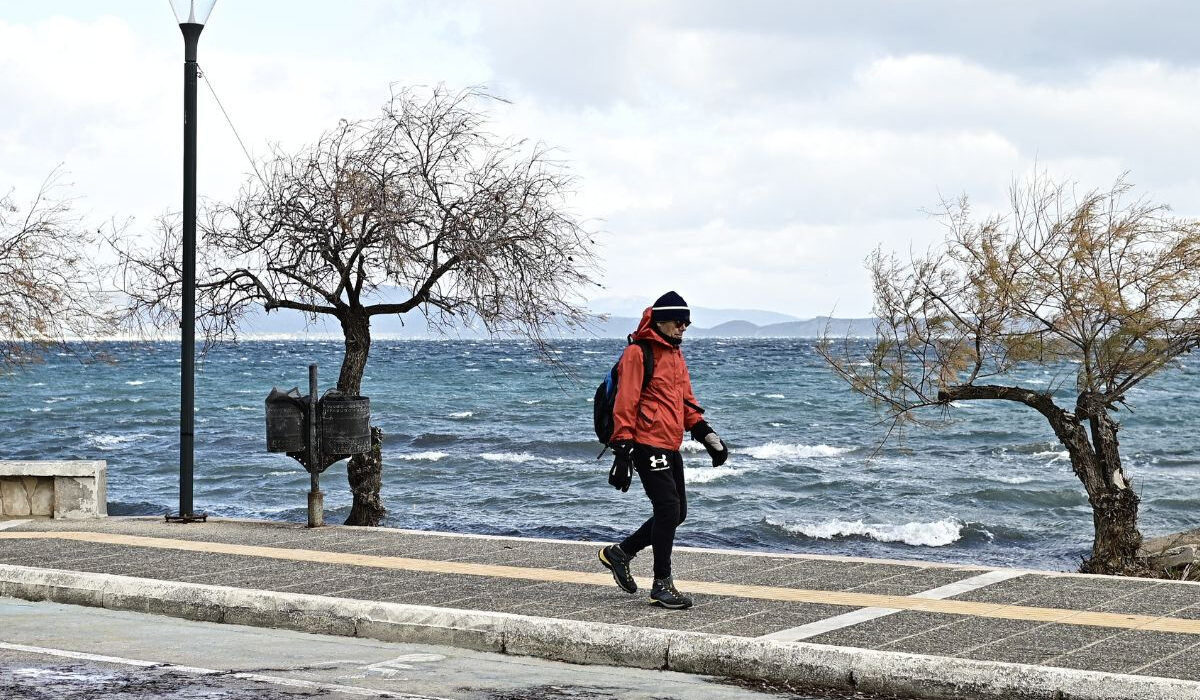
606,393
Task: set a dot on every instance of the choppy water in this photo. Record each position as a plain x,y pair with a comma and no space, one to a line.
484,437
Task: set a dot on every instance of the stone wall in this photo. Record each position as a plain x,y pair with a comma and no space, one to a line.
53,489
26,496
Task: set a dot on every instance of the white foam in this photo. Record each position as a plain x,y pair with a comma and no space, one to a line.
518,458
1054,455
39,410
703,475
935,534
523,457
1005,479
779,450
108,442
136,382
774,396
291,473
461,414
431,456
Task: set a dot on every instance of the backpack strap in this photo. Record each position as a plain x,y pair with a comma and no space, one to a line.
647,370
647,362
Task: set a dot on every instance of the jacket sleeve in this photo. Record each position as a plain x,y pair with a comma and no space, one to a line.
692,413
630,370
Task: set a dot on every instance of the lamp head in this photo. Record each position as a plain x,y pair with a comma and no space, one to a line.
192,11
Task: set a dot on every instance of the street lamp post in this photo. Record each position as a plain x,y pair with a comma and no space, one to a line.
191,16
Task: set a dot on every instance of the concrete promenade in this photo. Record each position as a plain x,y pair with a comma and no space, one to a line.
910,628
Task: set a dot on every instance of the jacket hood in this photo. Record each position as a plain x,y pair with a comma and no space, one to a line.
645,330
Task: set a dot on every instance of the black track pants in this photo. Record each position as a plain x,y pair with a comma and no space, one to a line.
661,474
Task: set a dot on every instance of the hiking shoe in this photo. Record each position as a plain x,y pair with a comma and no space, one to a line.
665,594
617,561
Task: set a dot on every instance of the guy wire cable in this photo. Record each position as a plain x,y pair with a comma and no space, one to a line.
229,121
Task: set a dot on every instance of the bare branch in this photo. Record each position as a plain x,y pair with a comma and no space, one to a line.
50,288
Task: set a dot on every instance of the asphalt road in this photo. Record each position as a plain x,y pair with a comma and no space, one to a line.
59,652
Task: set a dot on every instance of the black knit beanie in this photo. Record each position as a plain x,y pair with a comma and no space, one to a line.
670,307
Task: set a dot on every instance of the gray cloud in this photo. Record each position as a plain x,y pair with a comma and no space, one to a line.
594,54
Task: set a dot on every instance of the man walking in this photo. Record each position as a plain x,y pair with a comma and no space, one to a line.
648,425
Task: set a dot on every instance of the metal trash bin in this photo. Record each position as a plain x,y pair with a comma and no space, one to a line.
344,424
285,420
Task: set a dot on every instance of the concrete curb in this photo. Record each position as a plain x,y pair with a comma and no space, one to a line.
796,663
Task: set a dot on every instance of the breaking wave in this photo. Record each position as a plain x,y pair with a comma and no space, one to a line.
778,450
938,533
703,475
431,456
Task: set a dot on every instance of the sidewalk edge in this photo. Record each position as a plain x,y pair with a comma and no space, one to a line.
796,663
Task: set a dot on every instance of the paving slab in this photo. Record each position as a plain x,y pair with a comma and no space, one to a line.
848,623
1126,652
1043,643
959,636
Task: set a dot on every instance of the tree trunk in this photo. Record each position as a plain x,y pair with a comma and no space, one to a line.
356,329
1110,493
1096,460
365,474
365,471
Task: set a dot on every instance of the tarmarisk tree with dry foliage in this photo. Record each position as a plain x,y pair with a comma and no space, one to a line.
471,228
1101,286
50,290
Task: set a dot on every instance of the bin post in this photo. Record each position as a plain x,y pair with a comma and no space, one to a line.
316,499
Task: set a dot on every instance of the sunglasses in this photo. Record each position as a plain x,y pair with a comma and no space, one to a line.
681,324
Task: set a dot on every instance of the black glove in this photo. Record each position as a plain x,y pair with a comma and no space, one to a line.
705,435
621,474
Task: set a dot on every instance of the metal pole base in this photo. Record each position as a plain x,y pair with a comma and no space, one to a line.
316,509
192,518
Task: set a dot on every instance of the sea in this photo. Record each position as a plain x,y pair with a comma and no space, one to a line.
489,437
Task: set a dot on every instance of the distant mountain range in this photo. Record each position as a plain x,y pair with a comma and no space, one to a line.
812,328
707,323
624,315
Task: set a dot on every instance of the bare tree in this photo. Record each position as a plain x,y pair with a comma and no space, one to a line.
49,282
472,229
1100,287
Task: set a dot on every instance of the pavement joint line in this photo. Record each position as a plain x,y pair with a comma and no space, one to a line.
960,652
198,671
1168,657
855,617
846,599
1089,645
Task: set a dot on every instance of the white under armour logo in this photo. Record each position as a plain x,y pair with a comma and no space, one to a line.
658,462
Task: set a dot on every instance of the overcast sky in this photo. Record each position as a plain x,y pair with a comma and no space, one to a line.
747,154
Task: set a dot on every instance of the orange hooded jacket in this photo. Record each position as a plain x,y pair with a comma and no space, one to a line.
657,415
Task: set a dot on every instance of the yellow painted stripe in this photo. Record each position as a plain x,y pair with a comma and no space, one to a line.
797,595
